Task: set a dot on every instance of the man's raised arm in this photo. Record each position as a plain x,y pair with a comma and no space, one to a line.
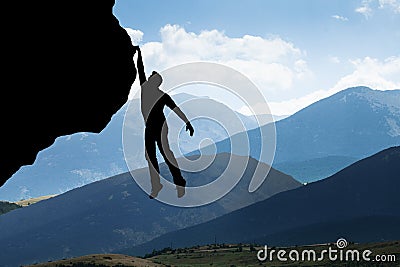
140,67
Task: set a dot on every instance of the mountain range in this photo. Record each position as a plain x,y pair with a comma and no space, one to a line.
115,213
359,203
329,134
312,144
332,141
79,159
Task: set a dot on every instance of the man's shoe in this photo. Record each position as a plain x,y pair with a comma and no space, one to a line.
180,191
155,191
180,188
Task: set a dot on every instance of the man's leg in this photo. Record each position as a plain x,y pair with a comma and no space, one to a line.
151,157
170,159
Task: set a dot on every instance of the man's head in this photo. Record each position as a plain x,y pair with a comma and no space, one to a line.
155,79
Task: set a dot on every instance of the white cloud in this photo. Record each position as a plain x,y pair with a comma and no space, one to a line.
135,35
367,6
370,72
364,10
302,71
273,64
340,18
334,59
392,4
383,75
291,106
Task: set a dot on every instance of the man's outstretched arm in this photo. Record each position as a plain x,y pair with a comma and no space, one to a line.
171,104
140,67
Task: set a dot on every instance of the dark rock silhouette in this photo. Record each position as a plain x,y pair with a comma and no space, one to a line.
69,69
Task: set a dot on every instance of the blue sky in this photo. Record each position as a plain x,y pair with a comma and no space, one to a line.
321,47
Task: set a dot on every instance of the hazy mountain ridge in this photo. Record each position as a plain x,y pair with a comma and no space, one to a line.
354,123
350,123
365,189
315,169
115,213
354,230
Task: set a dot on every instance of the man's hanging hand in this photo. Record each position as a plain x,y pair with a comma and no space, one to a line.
189,128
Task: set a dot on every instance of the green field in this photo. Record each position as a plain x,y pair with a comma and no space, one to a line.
246,255
232,255
101,260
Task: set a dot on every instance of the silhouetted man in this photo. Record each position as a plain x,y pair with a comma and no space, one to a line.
153,101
